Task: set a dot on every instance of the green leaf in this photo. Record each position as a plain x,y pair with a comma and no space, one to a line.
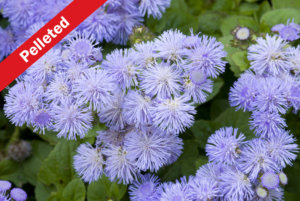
209,23
43,192
285,4
233,21
280,16
240,60
103,190
57,168
31,166
218,83
202,129
74,191
248,8
236,119
7,168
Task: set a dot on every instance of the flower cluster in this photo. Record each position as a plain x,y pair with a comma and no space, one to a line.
112,22
145,95
237,170
15,194
289,32
270,87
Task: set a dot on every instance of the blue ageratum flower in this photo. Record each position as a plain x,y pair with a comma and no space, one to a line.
294,58
112,114
94,87
271,95
118,166
224,145
150,149
21,13
170,45
161,80
243,93
18,194
203,189
128,20
210,171
282,148
74,69
7,42
255,158
235,185
136,108
120,64
71,120
269,56
42,120
4,186
59,89
22,102
289,31
145,56
146,188
110,137
88,162
154,8
46,67
82,46
267,124
207,56
4,197
103,24
173,115
197,86
270,180
175,191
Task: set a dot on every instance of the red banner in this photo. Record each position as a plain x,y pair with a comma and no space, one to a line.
46,38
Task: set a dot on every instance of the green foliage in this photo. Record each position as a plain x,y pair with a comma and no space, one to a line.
104,189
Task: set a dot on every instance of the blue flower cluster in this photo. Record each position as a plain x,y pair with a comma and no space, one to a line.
289,32
238,170
16,194
270,87
112,22
145,95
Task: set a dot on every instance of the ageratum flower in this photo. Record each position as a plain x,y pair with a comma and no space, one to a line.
170,45
175,191
145,54
173,115
136,109
145,188
270,180
161,80
7,42
18,194
120,65
255,158
148,148
267,124
104,25
203,189
197,86
4,186
154,8
224,145
271,95
88,162
210,171
282,148
243,93
94,87
3,197
207,56
294,58
110,137
290,31
71,120
118,166
42,120
269,56
112,114
22,103
235,185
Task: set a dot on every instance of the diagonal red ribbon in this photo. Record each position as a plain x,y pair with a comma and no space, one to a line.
36,46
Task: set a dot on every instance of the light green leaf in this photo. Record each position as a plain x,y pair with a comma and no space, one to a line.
43,192
285,4
103,190
74,191
240,60
57,168
280,16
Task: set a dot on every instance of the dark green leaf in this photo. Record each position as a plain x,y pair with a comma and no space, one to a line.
74,191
